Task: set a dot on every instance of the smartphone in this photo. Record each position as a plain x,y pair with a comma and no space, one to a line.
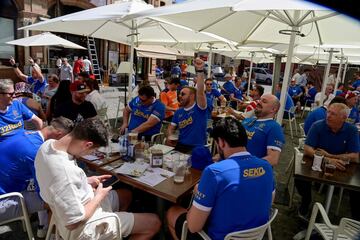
111,181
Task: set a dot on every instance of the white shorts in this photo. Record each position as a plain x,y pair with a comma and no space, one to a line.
111,204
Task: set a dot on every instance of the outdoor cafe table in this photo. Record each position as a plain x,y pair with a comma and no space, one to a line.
349,179
167,189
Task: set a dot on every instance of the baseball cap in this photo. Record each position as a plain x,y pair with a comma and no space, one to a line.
78,86
350,94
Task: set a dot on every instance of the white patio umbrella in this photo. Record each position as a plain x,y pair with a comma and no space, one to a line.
114,22
271,21
45,39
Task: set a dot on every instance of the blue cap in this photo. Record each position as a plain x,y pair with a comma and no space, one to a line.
201,158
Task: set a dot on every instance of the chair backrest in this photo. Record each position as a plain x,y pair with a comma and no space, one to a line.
349,227
102,113
24,217
301,126
253,233
298,155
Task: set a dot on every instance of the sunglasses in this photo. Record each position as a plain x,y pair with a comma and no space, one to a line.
10,94
209,84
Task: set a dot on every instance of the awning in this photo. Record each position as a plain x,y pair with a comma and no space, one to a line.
155,51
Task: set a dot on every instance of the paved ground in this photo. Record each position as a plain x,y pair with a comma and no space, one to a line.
285,226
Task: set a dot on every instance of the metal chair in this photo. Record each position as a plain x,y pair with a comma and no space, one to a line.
346,230
69,233
306,108
24,217
292,118
102,114
248,234
302,131
297,157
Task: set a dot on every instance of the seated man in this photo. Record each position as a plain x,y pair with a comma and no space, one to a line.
13,113
170,99
328,96
337,140
17,171
319,114
236,97
310,93
295,91
351,99
191,117
77,108
288,101
75,199
234,194
265,135
36,79
146,113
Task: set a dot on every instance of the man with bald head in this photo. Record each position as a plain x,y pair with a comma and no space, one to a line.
265,135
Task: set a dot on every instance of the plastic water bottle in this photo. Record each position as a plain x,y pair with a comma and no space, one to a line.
124,144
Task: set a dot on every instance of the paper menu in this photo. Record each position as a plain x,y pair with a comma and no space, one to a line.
154,176
132,169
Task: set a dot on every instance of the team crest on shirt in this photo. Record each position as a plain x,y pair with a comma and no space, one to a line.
16,114
250,134
261,125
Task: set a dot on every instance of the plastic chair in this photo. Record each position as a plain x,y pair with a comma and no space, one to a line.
291,119
347,229
69,233
297,157
248,234
302,131
102,114
24,217
306,108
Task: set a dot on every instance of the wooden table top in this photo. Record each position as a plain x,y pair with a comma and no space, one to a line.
350,178
167,189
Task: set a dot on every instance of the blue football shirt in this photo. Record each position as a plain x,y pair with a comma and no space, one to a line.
37,86
237,192
316,115
17,167
229,87
294,90
192,123
12,120
263,134
210,98
346,140
141,113
353,116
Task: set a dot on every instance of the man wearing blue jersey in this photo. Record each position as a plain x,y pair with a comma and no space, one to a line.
13,113
233,194
17,171
212,95
295,91
36,80
229,86
146,113
337,140
191,118
265,135
288,101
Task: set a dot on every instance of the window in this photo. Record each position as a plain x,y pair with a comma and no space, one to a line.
6,34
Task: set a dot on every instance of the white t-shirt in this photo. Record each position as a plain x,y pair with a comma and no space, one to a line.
87,65
327,102
96,99
63,185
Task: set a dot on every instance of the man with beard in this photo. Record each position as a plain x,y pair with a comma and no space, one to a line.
265,135
233,194
191,118
77,108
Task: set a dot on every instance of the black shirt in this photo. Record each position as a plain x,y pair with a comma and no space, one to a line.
74,111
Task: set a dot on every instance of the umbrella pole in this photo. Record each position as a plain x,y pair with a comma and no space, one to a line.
326,76
131,60
338,74
250,73
210,60
344,74
285,83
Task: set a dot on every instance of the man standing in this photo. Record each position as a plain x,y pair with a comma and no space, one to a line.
87,65
212,95
191,119
36,80
265,135
337,140
146,113
13,113
74,199
78,66
66,71
77,108
234,194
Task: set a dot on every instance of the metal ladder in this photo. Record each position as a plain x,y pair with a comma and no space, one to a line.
94,59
